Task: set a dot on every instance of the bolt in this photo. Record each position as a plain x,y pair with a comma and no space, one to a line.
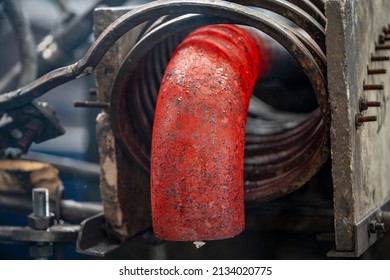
382,47
360,119
376,71
41,202
380,58
376,226
92,104
373,87
40,218
364,104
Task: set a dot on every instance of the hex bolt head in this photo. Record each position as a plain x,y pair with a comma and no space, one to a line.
380,58
40,223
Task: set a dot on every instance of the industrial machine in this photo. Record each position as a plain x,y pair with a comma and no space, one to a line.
314,163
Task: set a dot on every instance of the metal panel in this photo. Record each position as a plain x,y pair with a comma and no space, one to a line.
125,198
360,152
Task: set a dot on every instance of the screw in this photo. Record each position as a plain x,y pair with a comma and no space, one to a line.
40,219
376,71
364,104
380,58
376,226
360,119
382,47
92,104
41,202
373,87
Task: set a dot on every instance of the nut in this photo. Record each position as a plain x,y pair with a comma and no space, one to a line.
40,223
41,250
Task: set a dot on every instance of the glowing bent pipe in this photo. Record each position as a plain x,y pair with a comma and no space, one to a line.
198,134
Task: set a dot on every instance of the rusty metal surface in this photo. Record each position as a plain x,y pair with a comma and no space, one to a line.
93,238
122,184
367,231
293,13
313,7
359,153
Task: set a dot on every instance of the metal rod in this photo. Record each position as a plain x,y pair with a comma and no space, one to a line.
92,104
380,58
364,104
382,47
376,71
373,87
360,119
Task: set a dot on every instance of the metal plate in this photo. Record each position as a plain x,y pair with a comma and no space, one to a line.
360,165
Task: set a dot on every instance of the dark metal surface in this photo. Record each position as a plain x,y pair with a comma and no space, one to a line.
293,13
36,122
316,12
367,232
93,239
91,104
56,233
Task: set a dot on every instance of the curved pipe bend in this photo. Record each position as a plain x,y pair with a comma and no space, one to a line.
198,136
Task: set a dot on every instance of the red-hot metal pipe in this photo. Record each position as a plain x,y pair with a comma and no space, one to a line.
198,134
